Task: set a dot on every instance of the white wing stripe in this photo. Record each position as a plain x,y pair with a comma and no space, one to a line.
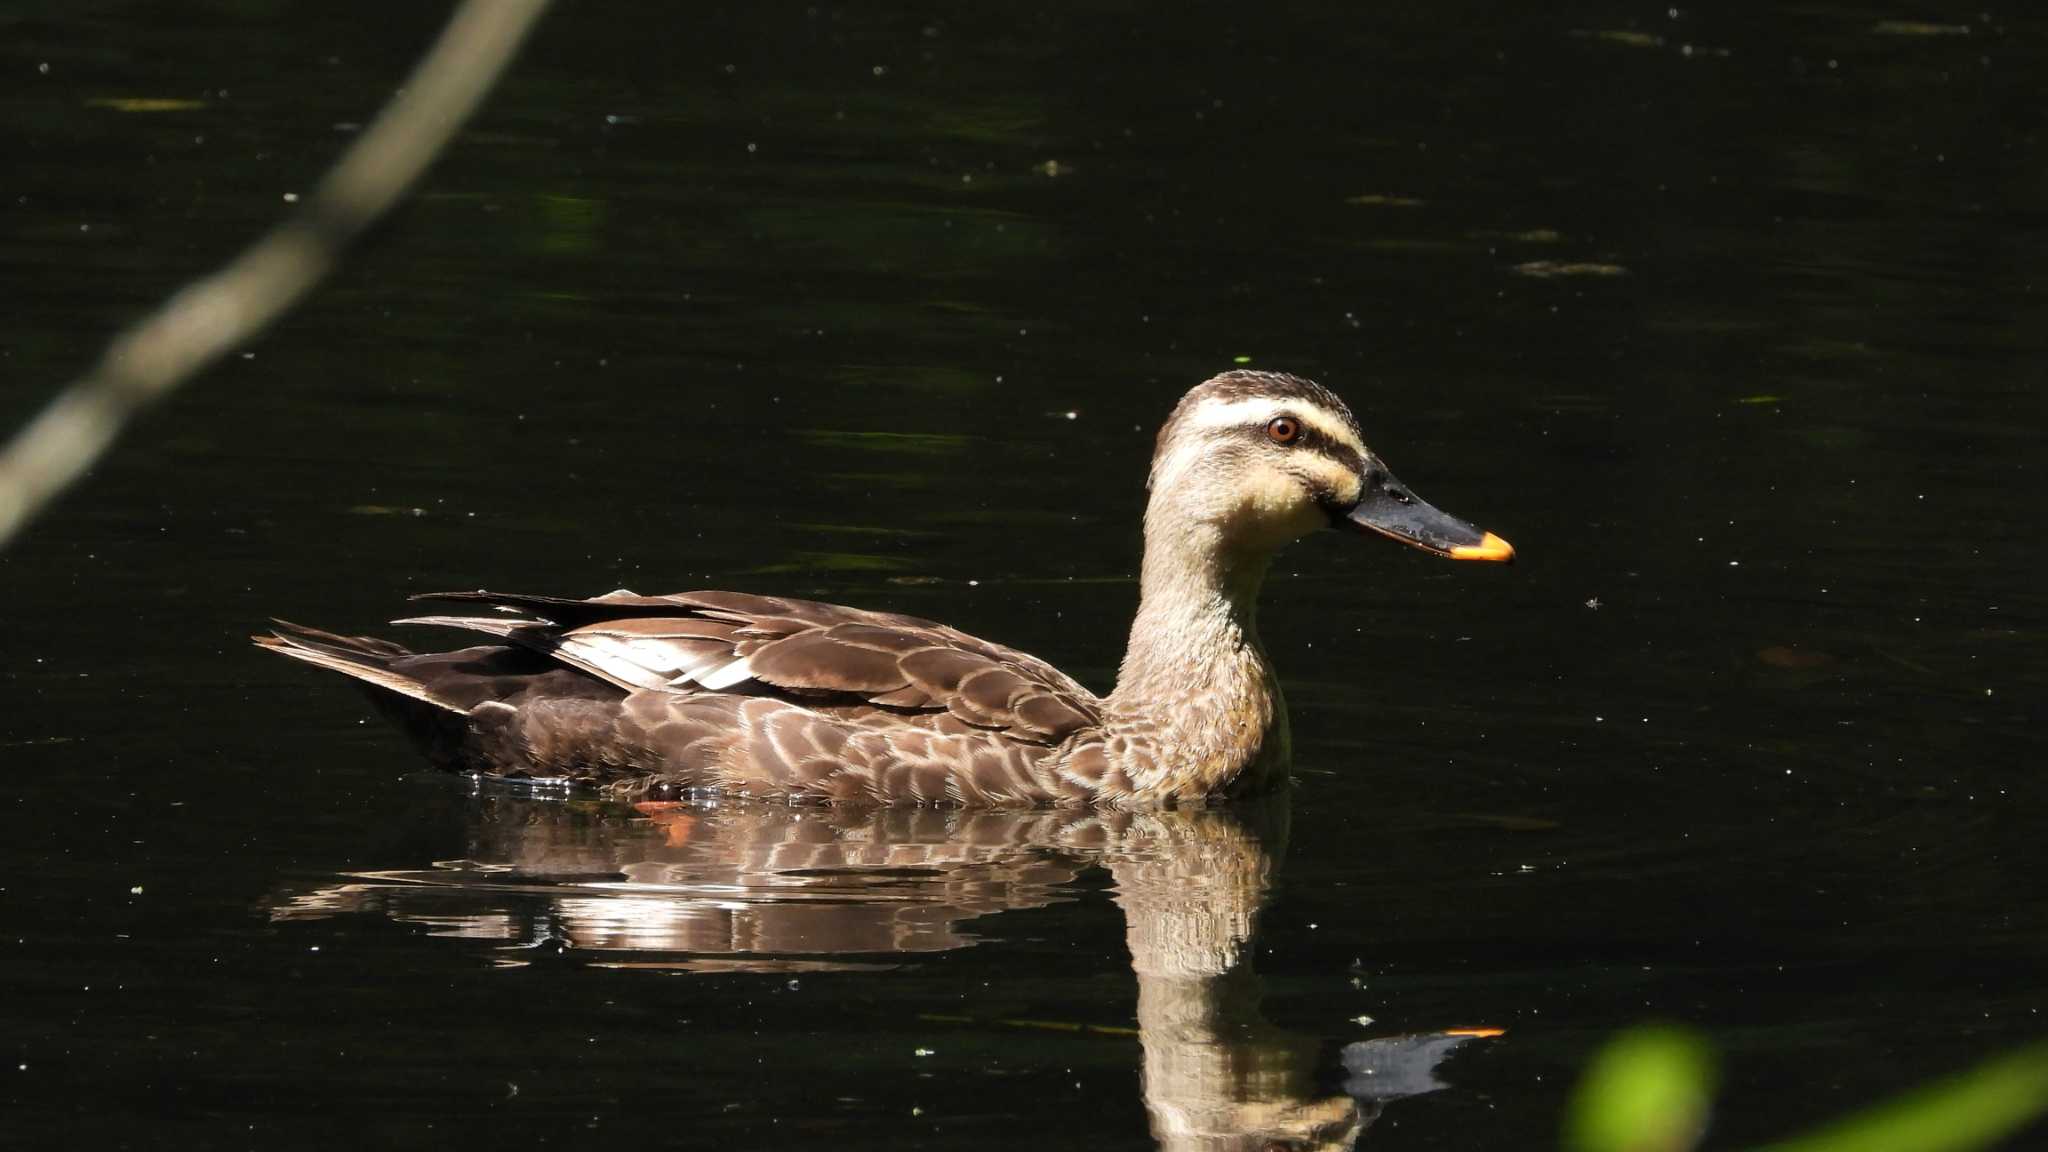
719,679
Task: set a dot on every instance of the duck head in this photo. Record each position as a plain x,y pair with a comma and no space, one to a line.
1262,458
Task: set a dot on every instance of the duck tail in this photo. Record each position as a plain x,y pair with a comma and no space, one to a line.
365,658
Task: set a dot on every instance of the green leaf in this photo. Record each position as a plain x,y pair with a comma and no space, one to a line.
1969,1111
1646,1091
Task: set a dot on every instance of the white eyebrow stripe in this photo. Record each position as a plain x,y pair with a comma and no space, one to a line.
1259,409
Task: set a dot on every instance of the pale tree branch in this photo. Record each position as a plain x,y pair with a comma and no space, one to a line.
211,317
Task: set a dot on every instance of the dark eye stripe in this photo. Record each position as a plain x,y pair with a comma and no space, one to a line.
1312,439
1344,457
1316,440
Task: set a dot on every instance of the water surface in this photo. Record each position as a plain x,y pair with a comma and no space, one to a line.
1732,324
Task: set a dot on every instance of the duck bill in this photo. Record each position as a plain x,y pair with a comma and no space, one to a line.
1389,509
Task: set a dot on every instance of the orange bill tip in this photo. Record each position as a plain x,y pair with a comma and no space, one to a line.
1490,547
1481,1033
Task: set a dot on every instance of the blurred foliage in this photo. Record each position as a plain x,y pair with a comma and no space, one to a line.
1649,1090
1971,1110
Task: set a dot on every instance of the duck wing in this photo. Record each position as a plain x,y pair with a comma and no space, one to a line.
811,653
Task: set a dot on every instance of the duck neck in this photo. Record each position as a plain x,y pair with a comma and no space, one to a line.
1195,686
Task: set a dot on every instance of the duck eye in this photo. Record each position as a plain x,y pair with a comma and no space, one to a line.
1283,430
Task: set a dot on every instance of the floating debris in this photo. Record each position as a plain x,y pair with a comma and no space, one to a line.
1557,269
1414,244
1793,658
1765,398
1823,349
145,104
1034,1025
1627,38
1622,36
912,443
1509,821
1918,28
834,562
1386,201
1526,236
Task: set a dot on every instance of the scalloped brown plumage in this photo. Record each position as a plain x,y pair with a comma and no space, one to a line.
812,700
768,696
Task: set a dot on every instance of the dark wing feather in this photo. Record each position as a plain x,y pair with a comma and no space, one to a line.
560,610
811,652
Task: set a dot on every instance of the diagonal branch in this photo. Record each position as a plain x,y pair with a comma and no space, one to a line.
209,318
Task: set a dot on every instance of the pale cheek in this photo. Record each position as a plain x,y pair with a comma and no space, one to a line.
1276,494
1275,508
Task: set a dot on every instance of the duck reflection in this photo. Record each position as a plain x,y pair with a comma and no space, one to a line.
774,889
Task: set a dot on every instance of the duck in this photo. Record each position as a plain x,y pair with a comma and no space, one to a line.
714,694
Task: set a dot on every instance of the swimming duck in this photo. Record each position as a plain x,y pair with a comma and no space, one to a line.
765,696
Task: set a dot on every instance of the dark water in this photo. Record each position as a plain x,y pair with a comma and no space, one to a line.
1733,324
